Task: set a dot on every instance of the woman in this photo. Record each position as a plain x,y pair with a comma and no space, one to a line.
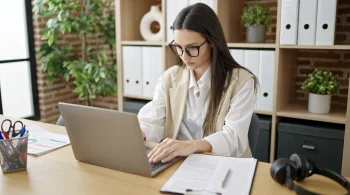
205,104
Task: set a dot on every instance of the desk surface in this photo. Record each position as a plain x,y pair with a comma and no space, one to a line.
59,173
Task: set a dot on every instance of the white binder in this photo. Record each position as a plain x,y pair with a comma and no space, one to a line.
173,7
152,69
266,72
307,22
238,55
147,71
289,22
252,63
132,70
326,18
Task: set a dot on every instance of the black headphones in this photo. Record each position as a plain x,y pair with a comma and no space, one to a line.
285,170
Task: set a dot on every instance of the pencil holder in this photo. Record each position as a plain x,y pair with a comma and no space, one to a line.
13,154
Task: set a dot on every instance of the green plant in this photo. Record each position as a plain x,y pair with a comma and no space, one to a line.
92,71
321,82
256,14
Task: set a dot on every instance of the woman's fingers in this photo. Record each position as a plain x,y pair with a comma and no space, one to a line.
170,156
157,151
164,153
157,147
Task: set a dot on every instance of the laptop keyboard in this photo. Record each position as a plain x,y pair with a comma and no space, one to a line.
155,166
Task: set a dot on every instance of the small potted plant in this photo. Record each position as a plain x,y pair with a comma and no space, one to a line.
320,84
256,18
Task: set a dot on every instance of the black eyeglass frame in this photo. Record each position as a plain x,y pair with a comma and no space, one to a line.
182,50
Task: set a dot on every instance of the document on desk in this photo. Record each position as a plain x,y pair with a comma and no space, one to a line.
41,141
207,174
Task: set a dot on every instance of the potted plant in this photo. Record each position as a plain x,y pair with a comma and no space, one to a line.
256,18
320,84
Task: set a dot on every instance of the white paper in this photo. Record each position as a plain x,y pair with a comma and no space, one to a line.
205,173
41,141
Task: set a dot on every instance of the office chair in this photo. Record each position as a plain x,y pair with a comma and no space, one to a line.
60,121
253,133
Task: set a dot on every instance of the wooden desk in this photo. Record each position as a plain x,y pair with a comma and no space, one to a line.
59,173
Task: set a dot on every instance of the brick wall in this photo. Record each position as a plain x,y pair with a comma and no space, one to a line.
60,90
338,61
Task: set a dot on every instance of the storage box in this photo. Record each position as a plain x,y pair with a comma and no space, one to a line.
134,106
262,150
321,142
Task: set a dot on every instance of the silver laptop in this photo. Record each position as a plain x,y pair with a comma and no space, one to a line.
108,138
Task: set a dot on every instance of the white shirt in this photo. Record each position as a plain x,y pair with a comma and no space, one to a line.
231,141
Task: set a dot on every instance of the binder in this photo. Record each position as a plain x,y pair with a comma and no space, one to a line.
238,55
252,64
326,18
147,71
307,22
289,22
132,70
173,7
266,70
152,65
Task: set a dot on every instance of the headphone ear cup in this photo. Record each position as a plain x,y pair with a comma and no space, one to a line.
301,166
278,170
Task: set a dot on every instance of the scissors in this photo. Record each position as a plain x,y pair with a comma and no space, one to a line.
8,127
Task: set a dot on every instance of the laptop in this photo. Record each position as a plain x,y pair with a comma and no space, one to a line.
109,138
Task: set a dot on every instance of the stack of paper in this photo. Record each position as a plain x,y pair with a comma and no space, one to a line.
205,174
41,141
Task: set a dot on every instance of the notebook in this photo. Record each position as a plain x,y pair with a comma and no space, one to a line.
207,174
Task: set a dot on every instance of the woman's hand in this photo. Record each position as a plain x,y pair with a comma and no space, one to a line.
170,148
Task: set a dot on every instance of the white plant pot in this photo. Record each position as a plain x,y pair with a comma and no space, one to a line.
319,104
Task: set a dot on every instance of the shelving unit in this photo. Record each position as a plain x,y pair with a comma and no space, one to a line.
148,43
298,109
252,45
331,47
286,104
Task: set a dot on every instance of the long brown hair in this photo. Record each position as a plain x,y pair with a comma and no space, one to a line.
202,19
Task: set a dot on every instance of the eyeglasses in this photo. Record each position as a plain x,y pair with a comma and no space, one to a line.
192,51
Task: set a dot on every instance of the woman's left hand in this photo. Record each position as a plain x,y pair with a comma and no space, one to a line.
169,149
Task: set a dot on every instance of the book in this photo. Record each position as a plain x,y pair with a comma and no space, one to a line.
208,174
41,141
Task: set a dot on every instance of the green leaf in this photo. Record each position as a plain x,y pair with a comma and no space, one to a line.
59,16
102,75
51,40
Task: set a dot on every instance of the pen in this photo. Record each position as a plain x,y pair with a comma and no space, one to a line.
225,179
22,131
